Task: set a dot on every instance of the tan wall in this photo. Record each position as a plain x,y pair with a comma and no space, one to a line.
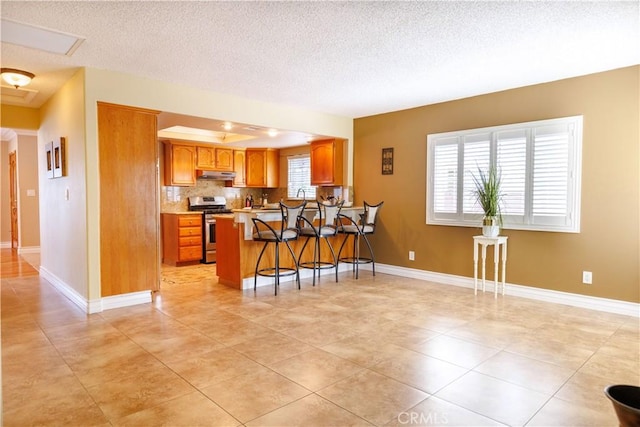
5,196
28,206
15,117
63,246
24,143
608,244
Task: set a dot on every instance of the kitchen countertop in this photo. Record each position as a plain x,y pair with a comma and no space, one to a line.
223,216
182,213
243,216
261,210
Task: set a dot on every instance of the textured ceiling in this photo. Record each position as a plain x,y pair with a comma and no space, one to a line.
351,59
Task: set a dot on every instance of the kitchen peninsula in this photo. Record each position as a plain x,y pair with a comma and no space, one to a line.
238,253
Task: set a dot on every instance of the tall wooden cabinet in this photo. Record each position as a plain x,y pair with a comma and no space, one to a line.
129,229
262,167
327,158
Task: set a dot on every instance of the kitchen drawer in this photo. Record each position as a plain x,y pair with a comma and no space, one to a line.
190,253
190,231
190,241
190,220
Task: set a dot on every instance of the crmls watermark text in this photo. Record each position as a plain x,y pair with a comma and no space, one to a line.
422,418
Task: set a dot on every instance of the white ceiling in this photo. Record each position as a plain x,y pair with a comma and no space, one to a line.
351,59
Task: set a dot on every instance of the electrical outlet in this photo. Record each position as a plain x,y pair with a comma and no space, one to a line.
587,277
412,256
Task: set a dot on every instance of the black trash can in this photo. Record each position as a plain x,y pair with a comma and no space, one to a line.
626,402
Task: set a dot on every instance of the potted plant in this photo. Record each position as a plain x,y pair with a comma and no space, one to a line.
489,196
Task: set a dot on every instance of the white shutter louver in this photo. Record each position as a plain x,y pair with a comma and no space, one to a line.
550,171
511,159
476,155
445,178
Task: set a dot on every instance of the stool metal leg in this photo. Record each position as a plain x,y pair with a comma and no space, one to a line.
333,256
277,285
255,275
295,262
373,260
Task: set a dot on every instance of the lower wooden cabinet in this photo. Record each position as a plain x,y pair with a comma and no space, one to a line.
181,238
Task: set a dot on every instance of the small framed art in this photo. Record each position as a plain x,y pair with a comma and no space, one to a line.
59,164
387,161
48,153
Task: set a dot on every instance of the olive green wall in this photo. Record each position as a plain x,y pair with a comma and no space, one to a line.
609,240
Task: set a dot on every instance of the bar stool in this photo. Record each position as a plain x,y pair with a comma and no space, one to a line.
359,229
325,228
289,230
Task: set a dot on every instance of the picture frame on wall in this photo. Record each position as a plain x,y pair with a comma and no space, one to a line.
387,161
48,151
59,166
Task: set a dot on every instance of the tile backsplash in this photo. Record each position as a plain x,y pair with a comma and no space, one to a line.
175,199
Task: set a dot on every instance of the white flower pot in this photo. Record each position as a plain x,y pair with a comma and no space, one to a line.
490,227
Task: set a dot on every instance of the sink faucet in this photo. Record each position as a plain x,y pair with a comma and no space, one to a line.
304,194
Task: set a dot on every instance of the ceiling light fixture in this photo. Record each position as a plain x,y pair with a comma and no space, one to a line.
227,126
272,133
17,78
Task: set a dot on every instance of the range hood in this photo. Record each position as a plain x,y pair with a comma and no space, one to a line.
219,175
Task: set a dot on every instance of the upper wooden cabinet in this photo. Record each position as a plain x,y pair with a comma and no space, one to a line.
240,168
211,158
262,167
179,164
224,159
206,158
327,162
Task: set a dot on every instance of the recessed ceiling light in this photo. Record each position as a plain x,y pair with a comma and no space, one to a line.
189,133
272,133
227,126
39,38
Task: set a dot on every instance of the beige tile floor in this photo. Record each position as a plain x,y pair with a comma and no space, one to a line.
382,350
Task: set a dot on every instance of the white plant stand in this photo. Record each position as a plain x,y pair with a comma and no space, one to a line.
485,241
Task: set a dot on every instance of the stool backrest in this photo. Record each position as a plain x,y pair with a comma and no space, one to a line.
291,215
331,213
370,215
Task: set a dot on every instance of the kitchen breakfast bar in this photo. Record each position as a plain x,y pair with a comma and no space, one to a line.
238,252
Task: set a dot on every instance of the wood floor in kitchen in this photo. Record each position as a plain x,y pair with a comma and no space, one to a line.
381,350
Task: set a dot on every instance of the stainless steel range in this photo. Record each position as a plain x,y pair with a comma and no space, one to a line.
210,206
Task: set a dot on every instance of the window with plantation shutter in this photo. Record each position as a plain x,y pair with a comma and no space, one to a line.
299,176
539,166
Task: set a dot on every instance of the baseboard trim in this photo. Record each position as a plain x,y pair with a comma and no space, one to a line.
29,250
126,300
66,290
558,297
95,305
5,245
